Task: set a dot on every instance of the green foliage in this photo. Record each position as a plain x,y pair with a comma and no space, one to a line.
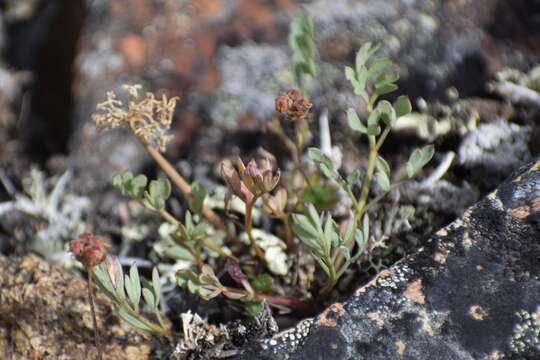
153,197
196,200
418,159
302,47
262,283
111,280
330,248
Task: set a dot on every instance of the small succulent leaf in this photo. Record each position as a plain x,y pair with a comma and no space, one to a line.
403,106
346,253
363,55
385,89
382,165
360,239
387,79
253,308
103,281
134,288
117,181
323,161
354,121
350,74
127,317
193,287
365,227
196,200
418,159
383,182
329,238
388,114
360,85
378,66
373,118
160,188
353,178
156,284
373,130
137,186
178,252
262,283
207,293
149,298
313,217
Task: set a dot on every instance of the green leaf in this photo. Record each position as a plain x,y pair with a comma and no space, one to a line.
418,159
350,74
117,181
363,55
403,106
103,281
137,186
379,65
373,130
149,298
360,85
323,161
382,165
253,308
382,181
160,188
156,284
388,114
262,283
354,121
385,89
196,200
178,252
365,227
373,118
133,286
127,317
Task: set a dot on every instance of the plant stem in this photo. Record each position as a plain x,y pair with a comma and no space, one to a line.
372,158
248,224
295,304
185,188
93,310
207,242
288,232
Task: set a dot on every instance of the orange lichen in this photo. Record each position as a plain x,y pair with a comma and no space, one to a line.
414,292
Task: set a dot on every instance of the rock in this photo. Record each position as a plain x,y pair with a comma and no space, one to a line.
44,314
496,148
471,293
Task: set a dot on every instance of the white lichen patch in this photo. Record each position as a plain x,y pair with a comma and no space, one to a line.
526,335
274,251
290,339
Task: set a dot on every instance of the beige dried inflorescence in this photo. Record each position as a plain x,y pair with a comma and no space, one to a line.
148,117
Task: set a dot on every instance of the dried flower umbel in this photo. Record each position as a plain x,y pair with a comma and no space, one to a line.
293,105
148,117
91,251
149,120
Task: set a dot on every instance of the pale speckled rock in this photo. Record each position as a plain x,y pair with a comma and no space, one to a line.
471,293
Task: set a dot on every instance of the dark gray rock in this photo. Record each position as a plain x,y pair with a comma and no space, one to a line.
472,293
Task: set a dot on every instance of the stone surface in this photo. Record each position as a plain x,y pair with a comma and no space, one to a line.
471,293
44,314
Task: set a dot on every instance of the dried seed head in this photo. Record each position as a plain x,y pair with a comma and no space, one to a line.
292,104
89,249
148,118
